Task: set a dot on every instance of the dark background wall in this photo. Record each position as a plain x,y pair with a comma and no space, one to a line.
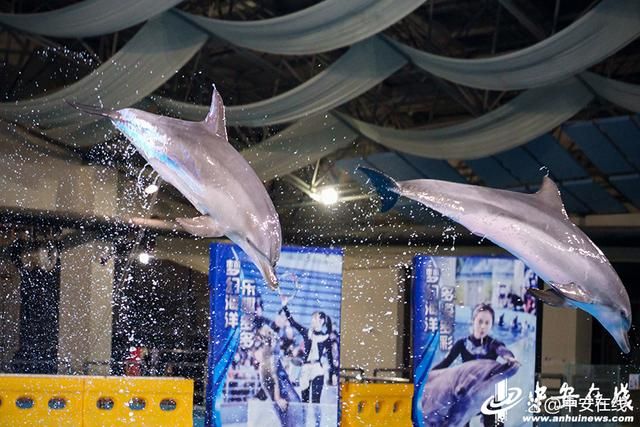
603,349
162,306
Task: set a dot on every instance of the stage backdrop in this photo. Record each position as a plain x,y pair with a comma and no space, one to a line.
473,326
274,355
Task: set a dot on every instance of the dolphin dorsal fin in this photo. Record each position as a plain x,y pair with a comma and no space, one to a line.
215,120
550,195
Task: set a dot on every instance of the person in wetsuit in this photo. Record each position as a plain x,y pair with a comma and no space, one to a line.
479,345
317,345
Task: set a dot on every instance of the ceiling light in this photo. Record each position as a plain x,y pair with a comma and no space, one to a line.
144,258
328,196
151,189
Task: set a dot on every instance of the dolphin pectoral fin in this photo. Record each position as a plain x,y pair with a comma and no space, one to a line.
549,297
215,120
203,226
572,291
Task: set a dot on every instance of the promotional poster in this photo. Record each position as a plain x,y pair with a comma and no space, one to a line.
274,355
474,340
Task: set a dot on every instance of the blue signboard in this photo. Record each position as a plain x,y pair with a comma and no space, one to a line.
274,355
474,340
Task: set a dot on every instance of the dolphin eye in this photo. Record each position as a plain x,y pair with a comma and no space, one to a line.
625,316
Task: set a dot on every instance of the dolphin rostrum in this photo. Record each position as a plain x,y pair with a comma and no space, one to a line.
197,159
534,228
452,396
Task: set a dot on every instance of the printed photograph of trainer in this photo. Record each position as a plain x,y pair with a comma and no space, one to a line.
275,354
474,338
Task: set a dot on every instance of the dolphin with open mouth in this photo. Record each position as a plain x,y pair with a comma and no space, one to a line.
197,159
452,396
534,228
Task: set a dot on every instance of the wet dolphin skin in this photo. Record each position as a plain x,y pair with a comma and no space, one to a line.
536,229
197,159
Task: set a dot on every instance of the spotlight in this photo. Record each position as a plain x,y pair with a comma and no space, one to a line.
328,196
151,189
144,258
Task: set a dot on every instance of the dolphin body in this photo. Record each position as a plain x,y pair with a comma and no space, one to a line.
452,396
534,228
197,159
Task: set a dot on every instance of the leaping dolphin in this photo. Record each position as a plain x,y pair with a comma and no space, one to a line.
452,396
534,228
197,159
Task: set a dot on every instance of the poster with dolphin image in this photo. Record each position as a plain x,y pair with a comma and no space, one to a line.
474,338
274,355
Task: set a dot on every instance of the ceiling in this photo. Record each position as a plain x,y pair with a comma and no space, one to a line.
595,160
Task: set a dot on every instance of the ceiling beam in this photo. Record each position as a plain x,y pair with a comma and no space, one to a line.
631,220
525,19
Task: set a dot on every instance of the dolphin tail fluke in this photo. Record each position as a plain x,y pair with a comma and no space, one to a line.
387,188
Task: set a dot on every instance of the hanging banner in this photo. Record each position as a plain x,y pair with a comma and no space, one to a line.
274,355
474,340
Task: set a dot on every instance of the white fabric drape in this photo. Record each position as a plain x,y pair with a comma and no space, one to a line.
167,42
148,60
625,95
607,28
88,18
325,26
524,118
362,67
299,145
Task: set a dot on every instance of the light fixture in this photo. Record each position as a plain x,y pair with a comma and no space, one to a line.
144,258
151,189
327,196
